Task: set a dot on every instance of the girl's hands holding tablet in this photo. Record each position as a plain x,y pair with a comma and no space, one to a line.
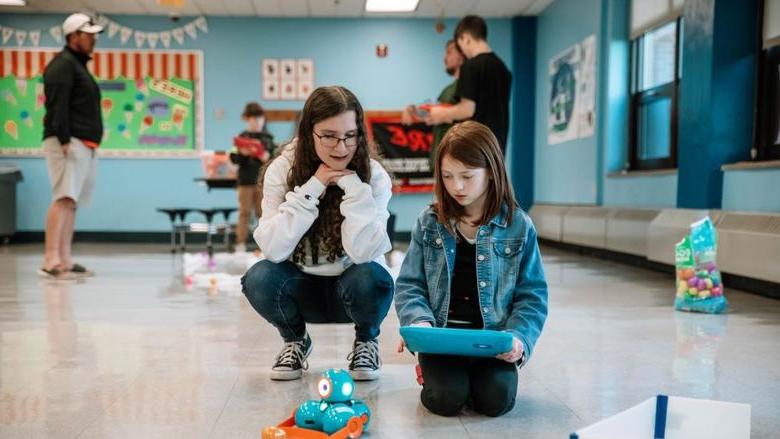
515,354
402,345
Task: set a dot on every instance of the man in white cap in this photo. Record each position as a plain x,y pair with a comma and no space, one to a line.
73,128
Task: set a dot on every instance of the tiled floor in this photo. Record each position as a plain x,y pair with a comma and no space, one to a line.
131,353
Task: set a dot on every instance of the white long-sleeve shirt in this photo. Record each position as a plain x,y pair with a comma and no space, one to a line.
288,215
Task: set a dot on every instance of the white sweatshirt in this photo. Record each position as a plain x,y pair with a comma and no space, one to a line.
288,215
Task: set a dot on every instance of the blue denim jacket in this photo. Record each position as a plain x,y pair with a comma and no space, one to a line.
510,276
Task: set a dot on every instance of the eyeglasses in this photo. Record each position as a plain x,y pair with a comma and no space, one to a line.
329,141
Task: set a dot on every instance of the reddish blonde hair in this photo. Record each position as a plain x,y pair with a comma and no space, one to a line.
474,145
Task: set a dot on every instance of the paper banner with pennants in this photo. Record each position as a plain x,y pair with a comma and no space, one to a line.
21,35
7,33
56,33
35,37
113,28
165,39
141,38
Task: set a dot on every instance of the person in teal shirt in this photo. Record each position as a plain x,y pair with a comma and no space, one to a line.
453,59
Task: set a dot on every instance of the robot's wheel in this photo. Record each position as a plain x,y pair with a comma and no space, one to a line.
354,427
273,433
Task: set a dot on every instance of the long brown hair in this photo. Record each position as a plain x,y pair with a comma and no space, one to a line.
324,103
474,145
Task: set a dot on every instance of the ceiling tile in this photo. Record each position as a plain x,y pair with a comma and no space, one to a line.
285,8
294,8
239,7
340,8
537,7
266,8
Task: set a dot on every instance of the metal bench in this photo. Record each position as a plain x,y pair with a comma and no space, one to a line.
180,227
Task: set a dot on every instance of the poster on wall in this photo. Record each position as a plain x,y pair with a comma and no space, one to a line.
405,150
587,88
287,79
271,90
572,99
150,101
561,119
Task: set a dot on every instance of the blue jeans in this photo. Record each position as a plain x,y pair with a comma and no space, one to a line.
288,298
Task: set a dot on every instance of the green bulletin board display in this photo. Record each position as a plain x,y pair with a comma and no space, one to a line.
144,116
21,112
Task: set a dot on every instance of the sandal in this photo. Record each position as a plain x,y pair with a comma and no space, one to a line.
81,270
54,273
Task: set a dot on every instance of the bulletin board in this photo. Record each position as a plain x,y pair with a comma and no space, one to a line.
151,101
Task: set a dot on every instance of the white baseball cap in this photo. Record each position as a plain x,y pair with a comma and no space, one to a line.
80,22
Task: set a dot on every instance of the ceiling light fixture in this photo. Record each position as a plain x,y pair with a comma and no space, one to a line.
391,5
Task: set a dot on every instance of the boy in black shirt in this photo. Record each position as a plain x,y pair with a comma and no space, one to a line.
483,86
249,165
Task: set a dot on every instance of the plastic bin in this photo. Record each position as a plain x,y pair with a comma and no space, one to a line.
10,176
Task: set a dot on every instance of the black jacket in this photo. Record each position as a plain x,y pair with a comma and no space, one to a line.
249,167
72,99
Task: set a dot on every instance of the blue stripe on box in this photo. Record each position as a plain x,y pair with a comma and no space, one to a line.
661,404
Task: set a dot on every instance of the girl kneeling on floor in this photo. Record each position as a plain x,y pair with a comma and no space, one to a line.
323,232
473,262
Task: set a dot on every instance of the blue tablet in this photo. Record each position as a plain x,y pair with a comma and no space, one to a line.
451,341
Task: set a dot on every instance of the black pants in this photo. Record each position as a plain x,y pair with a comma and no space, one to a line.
450,381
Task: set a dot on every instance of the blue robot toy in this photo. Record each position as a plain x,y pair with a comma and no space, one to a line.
335,408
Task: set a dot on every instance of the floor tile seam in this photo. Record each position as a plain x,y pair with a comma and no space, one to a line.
222,411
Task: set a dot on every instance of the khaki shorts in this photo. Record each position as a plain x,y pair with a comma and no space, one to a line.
72,175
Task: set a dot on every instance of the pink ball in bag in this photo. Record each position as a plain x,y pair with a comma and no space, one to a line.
717,291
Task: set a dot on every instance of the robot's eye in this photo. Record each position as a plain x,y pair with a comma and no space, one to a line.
324,388
346,389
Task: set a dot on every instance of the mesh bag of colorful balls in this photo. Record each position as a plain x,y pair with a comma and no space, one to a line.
699,283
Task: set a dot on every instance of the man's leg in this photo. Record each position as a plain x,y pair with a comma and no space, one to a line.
55,221
66,234
245,202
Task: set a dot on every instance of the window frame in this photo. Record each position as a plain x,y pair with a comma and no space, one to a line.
638,98
768,89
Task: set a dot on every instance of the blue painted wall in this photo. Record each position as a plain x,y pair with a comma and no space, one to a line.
634,190
755,189
524,97
578,171
641,191
566,172
717,96
128,191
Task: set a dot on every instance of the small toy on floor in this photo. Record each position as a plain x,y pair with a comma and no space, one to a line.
335,415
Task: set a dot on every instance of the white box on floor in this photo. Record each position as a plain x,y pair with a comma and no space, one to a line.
673,417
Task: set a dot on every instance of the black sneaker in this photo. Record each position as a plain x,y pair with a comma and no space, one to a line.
364,362
291,361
